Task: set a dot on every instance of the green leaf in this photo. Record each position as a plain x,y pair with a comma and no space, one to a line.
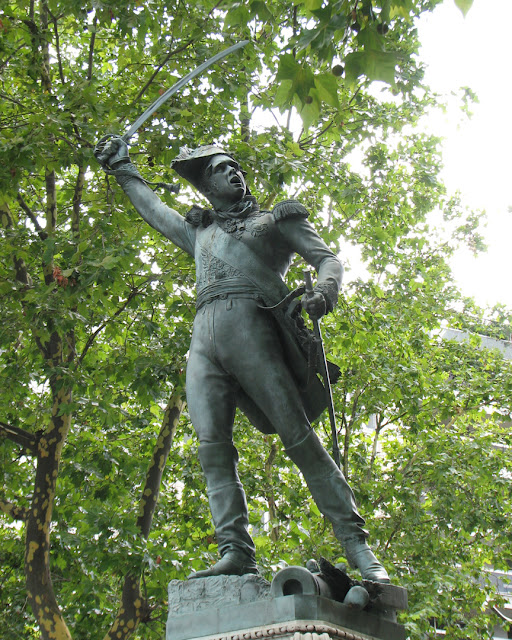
283,94
259,8
311,5
464,5
310,112
402,8
375,65
327,88
288,67
156,410
369,38
302,80
238,16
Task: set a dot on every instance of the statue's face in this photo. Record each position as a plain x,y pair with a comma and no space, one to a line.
223,181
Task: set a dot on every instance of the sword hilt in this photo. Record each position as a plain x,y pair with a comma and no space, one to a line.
100,145
99,149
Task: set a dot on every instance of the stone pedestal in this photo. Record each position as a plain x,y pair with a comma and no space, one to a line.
295,607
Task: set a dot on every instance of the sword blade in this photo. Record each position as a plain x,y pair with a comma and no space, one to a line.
179,85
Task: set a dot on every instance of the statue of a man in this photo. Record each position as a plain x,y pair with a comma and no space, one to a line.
240,354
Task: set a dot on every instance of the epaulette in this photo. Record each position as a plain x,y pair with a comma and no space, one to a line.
289,209
199,216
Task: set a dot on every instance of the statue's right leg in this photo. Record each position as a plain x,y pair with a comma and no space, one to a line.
211,403
228,507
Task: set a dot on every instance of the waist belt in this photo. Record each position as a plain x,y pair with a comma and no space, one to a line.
226,287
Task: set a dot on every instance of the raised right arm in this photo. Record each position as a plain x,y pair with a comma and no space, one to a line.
114,158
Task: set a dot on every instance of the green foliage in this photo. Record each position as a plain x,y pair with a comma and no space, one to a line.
432,476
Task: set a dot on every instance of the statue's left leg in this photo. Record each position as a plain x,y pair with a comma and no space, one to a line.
335,500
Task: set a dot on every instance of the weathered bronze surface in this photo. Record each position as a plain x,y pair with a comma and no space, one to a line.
249,349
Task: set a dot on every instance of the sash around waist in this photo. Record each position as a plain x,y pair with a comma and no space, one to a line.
226,287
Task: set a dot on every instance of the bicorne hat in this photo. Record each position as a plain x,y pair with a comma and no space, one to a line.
191,163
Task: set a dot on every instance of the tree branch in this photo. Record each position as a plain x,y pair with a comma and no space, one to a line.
168,56
50,179
245,122
51,202
77,201
134,292
271,501
45,48
42,233
346,446
5,62
57,46
348,428
51,219
20,268
134,608
397,528
161,450
378,429
14,511
395,419
25,439
313,137
91,49
4,96
402,471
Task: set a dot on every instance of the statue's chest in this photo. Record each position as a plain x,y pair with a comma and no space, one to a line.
214,250
254,226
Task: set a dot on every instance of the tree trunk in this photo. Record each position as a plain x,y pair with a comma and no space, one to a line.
37,545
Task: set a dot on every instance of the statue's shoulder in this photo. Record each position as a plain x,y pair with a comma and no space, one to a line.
289,209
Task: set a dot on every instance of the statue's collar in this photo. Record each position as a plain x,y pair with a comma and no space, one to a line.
200,216
240,209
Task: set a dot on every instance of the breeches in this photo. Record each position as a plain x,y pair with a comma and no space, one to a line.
235,345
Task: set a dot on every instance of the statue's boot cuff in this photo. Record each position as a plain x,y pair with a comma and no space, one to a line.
231,564
360,556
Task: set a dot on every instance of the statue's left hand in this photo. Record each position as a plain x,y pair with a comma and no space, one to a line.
314,305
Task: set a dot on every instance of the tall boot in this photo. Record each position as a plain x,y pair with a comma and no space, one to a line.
336,501
228,507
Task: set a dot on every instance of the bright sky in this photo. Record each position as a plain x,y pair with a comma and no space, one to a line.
476,51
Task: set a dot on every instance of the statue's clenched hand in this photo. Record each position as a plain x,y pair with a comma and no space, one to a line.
314,305
111,152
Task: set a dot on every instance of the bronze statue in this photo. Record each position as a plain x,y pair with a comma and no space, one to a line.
246,342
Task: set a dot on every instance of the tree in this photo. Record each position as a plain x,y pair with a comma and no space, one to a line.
96,310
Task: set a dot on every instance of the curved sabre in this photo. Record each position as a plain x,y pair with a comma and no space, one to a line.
176,87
